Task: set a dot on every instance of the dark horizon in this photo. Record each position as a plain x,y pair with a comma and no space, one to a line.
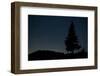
49,32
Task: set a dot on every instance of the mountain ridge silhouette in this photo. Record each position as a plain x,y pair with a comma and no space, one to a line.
51,55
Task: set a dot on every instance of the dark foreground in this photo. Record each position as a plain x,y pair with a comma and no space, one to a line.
51,55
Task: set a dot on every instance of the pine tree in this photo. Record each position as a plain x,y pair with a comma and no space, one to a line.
71,41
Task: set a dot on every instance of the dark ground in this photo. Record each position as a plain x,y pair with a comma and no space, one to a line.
51,55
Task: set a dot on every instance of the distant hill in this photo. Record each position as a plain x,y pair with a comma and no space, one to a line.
51,55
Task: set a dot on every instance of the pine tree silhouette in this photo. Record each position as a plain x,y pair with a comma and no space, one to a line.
71,42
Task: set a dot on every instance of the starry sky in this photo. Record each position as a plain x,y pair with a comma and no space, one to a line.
49,32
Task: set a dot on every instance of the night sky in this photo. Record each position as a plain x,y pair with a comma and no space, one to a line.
49,32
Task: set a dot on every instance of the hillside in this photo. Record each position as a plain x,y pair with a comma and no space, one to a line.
51,55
